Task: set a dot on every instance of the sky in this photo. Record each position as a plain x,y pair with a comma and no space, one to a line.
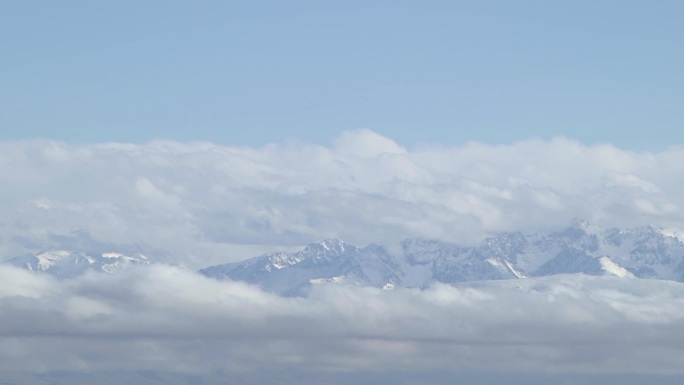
259,72
208,132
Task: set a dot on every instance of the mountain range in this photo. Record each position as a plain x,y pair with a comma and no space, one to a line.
643,252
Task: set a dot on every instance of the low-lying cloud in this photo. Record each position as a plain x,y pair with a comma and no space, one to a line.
168,319
202,203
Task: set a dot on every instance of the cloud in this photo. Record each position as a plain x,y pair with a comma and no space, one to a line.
201,203
168,319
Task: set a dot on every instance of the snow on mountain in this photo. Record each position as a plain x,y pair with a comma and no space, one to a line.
64,264
645,252
328,261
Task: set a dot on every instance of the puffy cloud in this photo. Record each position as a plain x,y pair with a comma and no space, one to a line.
169,319
201,203
366,143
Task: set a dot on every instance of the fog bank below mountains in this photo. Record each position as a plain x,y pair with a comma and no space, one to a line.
166,319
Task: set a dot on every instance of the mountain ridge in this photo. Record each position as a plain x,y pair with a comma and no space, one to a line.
641,252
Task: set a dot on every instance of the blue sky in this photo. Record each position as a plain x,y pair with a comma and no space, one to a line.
254,72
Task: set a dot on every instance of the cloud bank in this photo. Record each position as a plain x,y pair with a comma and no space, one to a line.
202,203
170,319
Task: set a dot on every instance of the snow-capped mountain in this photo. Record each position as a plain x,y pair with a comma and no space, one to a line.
330,260
63,264
645,252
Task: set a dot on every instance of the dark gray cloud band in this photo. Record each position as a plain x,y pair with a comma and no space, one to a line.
169,319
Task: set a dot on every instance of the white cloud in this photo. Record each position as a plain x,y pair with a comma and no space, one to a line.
168,319
202,203
365,143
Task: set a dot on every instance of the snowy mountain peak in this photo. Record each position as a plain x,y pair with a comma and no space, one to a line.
333,244
62,263
326,251
46,260
328,247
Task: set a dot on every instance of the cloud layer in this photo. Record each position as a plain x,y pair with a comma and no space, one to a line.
202,203
169,319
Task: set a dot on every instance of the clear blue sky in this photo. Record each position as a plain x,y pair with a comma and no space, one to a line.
253,72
